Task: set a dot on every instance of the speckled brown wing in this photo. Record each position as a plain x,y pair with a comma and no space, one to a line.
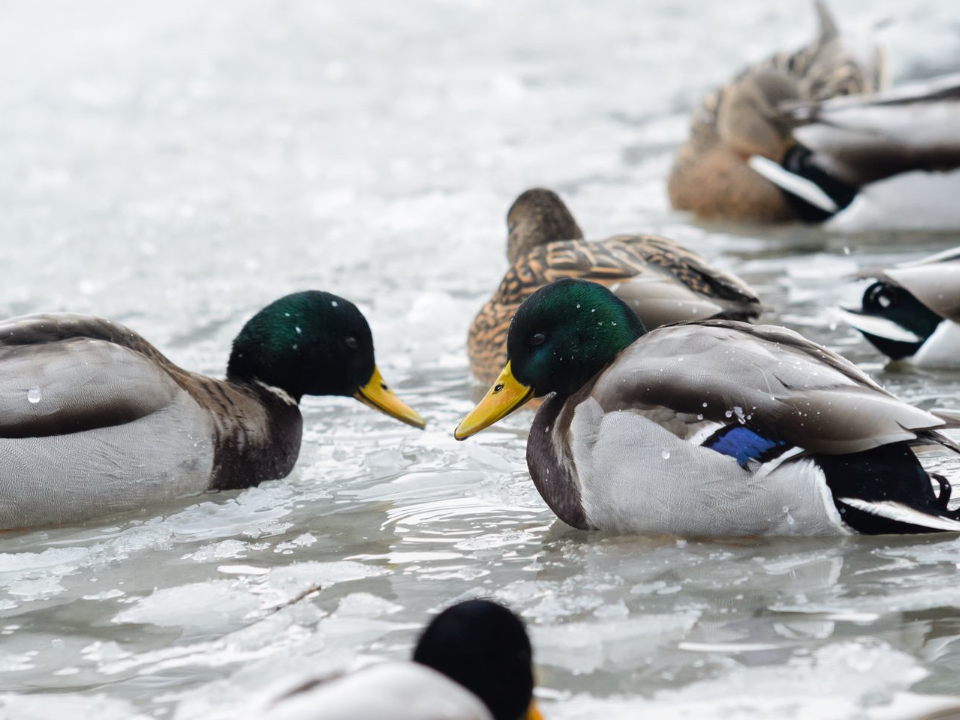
662,281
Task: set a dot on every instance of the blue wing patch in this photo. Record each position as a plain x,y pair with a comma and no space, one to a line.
744,445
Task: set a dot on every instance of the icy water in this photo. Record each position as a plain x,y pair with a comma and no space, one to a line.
176,166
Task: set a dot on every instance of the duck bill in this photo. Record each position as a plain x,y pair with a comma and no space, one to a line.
378,395
533,713
506,395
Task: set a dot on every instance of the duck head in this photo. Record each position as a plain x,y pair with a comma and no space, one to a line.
561,336
315,343
538,216
484,647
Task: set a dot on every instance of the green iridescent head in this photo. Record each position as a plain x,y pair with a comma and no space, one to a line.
566,332
560,338
314,343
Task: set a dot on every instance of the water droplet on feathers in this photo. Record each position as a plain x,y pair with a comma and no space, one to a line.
33,395
665,454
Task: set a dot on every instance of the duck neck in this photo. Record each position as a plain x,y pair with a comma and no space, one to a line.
548,460
257,433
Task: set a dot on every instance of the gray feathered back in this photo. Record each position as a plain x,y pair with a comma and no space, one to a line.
766,377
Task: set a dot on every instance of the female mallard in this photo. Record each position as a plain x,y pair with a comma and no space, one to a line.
912,311
711,176
473,662
662,281
809,136
708,428
95,420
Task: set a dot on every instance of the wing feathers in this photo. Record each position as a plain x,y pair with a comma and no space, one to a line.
900,513
55,380
767,379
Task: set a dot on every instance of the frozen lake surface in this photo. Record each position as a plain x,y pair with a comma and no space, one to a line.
175,166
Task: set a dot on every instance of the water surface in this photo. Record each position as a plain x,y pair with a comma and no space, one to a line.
177,166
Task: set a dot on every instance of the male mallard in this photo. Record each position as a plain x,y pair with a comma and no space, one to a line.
662,281
871,161
95,420
708,428
912,311
473,662
711,176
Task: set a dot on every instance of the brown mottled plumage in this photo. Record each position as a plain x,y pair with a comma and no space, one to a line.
662,281
710,176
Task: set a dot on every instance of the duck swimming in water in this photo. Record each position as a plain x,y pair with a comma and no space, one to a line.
814,136
911,312
95,420
709,428
660,280
712,176
473,662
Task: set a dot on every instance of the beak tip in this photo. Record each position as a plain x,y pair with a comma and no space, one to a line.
375,394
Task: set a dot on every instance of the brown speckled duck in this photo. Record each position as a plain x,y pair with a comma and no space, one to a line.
662,281
95,420
711,175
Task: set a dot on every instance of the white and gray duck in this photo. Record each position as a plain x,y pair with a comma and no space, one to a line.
95,420
911,312
710,428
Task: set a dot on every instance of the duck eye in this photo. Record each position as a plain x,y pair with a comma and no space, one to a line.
538,339
352,342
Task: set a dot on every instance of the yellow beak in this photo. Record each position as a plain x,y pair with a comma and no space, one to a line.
379,396
533,713
503,398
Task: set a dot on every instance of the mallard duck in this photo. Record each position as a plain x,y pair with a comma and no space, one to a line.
96,420
709,428
473,662
881,161
662,281
911,312
711,175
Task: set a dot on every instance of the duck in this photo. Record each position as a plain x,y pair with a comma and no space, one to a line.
883,161
95,420
711,175
817,136
911,312
472,662
710,428
661,280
